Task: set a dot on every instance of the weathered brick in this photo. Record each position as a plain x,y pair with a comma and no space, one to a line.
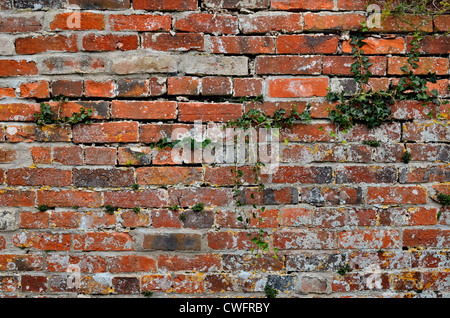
168,175
242,44
165,5
68,198
214,65
20,24
264,22
140,22
237,4
297,87
103,242
172,242
103,177
106,132
302,5
43,241
289,64
397,195
207,23
101,4
333,21
144,64
307,44
143,198
208,111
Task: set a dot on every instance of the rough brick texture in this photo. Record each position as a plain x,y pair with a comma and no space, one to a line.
150,68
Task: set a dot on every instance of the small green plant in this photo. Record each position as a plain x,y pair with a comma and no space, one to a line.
163,143
270,291
174,207
147,293
344,270
443,198
372,143
135,186
182,217
46,116
136,209
198,207
406,157
110,209
43,208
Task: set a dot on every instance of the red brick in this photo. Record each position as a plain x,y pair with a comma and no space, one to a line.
103,242
72,64
297,87
38,89
165,5
148,198
110,42
155,132
216,85
397,195
133,219
71,155
17,68
168,175
422,216
185,85
341,65
140,22
49,43
242,45
175,42
68,109
358,239
248,87
20,133
333,21
166,218
307,44
41,154
36,284
221,176
144,109
289,64
88,21
106,132
43,241
441,22
68,198
20,24
209,111
308,132
34,220
100,155
17,198
201,262
428,238
99,89
7,92
207,23
39,177
302,5
265,22
352,4
438,65
229,240
82,220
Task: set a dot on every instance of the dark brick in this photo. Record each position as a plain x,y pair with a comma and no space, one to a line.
101,4
126,285
172,242
195,220
103,177
67,88
282,283
37,4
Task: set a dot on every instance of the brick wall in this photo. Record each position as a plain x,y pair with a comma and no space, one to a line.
147,67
